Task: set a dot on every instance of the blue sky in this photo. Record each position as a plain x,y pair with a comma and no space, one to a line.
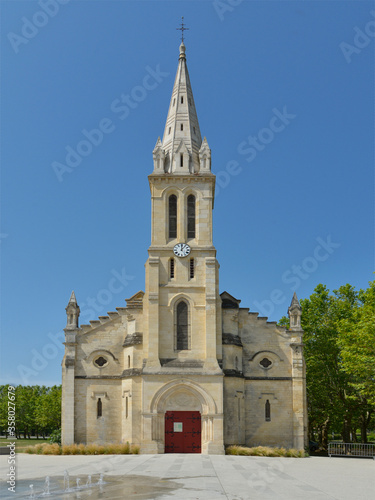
293,209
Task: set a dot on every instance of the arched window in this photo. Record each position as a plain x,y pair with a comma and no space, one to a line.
191,216
99,408
268,411
173,216
182,326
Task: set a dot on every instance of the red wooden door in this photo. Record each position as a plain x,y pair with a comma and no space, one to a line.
183,432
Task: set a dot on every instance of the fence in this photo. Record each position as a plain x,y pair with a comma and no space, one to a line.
351,450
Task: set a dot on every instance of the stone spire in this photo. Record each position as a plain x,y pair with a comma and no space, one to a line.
295,313
72,313
180,151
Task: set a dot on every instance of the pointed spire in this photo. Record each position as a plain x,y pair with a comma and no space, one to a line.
73,298
182,139
295,301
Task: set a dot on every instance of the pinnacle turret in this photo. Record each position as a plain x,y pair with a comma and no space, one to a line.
72,313
295,313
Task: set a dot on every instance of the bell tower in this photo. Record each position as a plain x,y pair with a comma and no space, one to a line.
182,299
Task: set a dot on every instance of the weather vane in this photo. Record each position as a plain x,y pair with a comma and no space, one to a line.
182,29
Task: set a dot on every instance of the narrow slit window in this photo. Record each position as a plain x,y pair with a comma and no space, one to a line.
182,99
173,216
194,130
182,340
174,101
126,407
182,126
181,160
191,216
191,270
128,361
99,408
169,130
171,268
189,101
239,408
268,411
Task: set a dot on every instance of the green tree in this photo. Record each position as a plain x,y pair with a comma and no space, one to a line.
48,411
27,398
357,342
38,409
338,391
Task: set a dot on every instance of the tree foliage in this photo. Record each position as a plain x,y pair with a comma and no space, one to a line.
38,409
339,350
357,344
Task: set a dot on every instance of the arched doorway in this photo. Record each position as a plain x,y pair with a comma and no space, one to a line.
184,416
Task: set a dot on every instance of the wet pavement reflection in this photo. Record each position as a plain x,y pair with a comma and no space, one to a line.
112,487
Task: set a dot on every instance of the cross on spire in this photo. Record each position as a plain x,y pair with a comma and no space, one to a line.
182,29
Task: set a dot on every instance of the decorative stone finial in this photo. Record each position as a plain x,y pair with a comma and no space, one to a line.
182,50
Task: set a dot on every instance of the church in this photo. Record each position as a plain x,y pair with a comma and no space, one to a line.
183,368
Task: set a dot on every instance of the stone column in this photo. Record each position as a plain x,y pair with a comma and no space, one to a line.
211,363
67,397
299,396
298,376
68,372
152,347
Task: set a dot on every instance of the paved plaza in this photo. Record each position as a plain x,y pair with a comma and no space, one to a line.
186,476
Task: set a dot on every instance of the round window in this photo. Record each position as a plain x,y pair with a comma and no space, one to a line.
100,361
265,363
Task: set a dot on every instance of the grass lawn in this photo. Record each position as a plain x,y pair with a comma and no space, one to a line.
22,444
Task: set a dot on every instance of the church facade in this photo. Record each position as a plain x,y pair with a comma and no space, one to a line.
183,368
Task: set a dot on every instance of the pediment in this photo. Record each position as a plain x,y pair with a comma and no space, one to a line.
182,148
228,301
135,300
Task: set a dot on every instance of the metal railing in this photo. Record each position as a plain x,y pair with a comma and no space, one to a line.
351,450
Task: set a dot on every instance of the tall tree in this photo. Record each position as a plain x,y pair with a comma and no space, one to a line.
339,332
357,343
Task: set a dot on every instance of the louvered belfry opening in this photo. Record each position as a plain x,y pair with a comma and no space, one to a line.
191,269
171,268
191,216
182,326
173,216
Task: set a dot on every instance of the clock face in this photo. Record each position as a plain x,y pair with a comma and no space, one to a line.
181,250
